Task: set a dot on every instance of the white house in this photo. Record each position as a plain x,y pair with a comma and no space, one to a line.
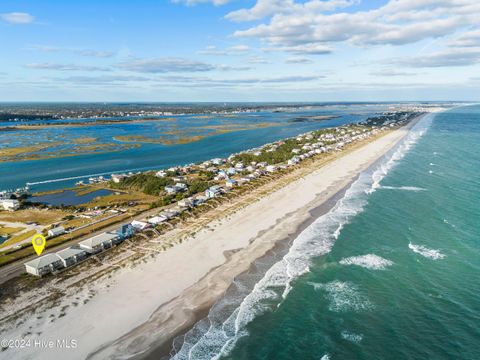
157,220
44,265
99,243
10,204
56,231
139,225
116,178
161,174
70,256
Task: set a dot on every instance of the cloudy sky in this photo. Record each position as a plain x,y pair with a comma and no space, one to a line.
239,50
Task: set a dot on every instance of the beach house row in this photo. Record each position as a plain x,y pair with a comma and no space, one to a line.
54,262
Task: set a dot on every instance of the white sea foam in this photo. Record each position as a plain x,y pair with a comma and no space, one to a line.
355,338
343,296
411,139
448,223
426,252
405,188
369,261
217,335
325,357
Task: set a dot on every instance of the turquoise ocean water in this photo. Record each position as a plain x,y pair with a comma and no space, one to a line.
391,272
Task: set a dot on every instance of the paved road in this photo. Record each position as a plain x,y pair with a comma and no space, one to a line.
17,268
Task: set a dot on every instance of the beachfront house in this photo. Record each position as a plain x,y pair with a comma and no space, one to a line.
10,204
230,183
213,191
71,256
218,161
44,265
99,243
157,220
139,225
187,202
56,231
199,199
161,174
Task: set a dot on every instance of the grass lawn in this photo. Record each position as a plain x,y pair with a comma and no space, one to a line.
18,238
6,230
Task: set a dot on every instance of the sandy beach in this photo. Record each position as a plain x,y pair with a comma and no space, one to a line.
167,294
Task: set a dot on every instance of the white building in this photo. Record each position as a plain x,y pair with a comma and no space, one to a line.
10,204
116,178
44,265
99,243
139,225
56,231
71,256
157,220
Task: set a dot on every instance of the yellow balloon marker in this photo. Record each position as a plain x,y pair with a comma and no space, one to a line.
38,242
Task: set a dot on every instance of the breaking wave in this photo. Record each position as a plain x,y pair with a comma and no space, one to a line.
426,252
343,296
369,261
355,338
217,334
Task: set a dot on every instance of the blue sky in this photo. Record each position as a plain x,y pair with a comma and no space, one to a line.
239,50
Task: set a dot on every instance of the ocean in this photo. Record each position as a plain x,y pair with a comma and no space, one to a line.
392,271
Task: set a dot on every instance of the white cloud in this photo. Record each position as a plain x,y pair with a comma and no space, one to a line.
238,48
17,18
258,60
165,65
298,60
466,39
398,22
266,8
78,51
65,67
232,50
444,58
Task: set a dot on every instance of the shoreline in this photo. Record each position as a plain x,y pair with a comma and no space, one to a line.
279,249
178,315
198,271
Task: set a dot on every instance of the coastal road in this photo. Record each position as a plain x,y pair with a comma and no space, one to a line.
17,268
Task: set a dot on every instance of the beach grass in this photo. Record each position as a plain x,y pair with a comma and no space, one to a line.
39,216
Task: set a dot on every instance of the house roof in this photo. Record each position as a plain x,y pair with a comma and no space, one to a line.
43,261
69,252
99,239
